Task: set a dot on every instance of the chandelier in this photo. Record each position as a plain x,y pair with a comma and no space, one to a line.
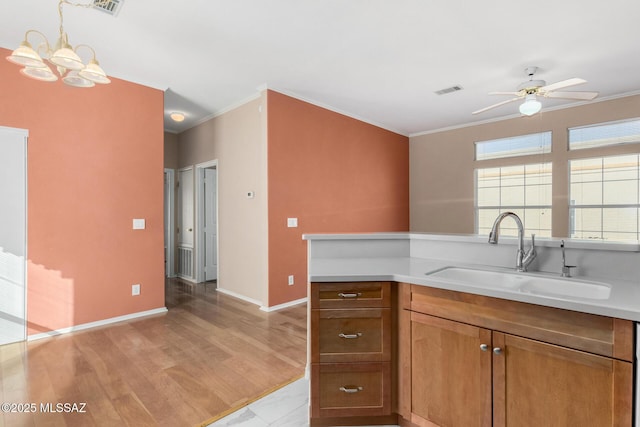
62,56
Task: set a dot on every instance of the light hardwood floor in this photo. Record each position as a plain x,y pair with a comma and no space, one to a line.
210,353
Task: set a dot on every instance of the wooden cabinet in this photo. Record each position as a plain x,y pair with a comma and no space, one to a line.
470,360
350,353
451,376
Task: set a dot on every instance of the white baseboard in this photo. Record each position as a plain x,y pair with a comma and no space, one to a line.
259,303
95,324
239,296
285,305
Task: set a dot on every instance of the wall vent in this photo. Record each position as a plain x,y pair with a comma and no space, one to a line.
112,7
185,262
449,90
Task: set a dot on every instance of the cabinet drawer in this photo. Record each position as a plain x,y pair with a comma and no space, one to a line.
355,389
358,335
351,295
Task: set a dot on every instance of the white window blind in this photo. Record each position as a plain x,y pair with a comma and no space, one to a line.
604,134
605,198
523,189
523,145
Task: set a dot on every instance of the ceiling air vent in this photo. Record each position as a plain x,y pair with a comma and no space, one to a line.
112,7
449,90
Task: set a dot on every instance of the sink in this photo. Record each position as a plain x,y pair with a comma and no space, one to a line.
526,283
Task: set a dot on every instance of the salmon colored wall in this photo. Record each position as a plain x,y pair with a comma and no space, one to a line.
333,173
95,162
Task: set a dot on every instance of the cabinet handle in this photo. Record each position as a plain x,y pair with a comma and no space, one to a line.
497,350
350,336
484,347
349,294
351,388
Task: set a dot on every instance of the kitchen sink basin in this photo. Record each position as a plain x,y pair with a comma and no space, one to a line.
526,283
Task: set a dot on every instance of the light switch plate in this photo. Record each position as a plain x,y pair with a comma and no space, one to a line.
139,224
292,222
135,289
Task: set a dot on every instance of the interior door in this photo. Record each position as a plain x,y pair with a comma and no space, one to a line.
13,234
185,208
210,224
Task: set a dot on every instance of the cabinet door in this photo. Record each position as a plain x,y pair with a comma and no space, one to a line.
450,373
539,384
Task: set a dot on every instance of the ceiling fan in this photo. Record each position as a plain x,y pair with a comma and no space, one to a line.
531,89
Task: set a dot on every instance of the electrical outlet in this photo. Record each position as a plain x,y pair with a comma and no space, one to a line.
291,281
135,289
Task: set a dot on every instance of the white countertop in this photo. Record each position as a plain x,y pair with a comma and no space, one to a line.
624,301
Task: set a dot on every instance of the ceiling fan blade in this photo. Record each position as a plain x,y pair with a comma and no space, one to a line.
505,93
572,95
496,105
560,85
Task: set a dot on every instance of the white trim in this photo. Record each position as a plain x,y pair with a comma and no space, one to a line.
18,131
199,221
222,111
239,296
514,116
285,305
95,324
336,110
170,270
23,133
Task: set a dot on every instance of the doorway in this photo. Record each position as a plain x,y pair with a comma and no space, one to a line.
207,221
185,227
13,234
169,221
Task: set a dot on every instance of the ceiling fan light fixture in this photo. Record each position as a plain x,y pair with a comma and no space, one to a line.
530,106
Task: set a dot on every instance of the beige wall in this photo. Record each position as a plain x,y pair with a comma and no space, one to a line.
170,150
442,164
236,140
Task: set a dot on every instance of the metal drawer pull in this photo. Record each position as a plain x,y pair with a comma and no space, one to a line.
484,347
351,388
350,336
349,294
497,350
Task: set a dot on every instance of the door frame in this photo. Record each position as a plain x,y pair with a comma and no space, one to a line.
170,221
24,133
199,225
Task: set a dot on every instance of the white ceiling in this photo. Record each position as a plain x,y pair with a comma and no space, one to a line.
377,60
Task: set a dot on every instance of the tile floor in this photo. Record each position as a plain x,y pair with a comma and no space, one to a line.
286,407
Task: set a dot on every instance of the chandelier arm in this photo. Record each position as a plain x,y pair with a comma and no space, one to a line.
93,52
45,41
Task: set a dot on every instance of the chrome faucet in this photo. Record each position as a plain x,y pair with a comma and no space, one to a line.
522,260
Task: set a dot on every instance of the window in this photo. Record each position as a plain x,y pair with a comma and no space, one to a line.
523,145
604,134
605,198
522,189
